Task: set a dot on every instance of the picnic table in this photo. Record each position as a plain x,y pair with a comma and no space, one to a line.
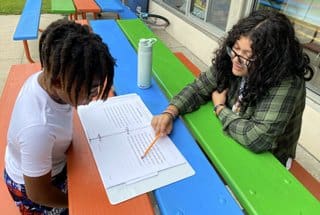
82,7
202,193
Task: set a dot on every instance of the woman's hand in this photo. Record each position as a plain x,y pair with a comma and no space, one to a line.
219,99
163,123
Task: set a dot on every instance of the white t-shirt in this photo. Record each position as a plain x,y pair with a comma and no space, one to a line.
39,134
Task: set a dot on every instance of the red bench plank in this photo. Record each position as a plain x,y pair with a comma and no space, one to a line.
306,179
82,21
86,6
193,68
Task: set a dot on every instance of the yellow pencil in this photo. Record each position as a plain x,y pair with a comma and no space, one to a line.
150,146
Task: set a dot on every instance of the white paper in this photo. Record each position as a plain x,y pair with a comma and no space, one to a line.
119,131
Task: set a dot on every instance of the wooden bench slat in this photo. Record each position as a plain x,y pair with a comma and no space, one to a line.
62,6
127,13
110,5
84,6
193,68
260,182
82,21
28,25
306,179
27,29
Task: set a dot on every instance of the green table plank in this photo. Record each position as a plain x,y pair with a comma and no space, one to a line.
62,6
260,182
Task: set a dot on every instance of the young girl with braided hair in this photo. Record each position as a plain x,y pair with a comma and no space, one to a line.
76,67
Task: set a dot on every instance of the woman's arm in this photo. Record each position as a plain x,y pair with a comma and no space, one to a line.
195,94
270,118
189,99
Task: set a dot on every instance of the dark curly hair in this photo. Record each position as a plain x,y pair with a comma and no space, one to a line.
277,52
71,53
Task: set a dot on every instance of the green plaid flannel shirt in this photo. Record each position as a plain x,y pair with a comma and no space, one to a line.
272,124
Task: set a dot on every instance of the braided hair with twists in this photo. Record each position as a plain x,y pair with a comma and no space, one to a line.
73,55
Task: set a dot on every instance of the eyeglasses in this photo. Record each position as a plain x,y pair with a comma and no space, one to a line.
242,60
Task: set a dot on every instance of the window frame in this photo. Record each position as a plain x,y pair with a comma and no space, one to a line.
235,13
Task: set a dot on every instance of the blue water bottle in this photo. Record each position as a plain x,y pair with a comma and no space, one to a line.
145,62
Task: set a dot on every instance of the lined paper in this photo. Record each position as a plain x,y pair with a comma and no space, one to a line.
119,130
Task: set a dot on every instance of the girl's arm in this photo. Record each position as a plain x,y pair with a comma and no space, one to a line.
41,191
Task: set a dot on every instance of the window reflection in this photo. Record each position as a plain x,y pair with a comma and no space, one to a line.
208,12
218,13
198,8
305,16
179,5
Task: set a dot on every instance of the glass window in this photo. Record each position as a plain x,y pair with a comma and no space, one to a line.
198,8
305,16
218,13
179,5
207,12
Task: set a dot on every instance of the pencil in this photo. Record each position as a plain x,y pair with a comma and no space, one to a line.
150,146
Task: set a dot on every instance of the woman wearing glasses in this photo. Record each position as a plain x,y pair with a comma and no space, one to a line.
256,84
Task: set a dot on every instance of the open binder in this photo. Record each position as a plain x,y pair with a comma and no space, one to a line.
118,132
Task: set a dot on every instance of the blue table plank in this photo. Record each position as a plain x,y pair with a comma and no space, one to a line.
28,24
203,193
127,13
110,5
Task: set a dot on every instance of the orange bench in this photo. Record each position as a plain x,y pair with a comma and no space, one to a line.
193,68
306,179
297,170
86,6
82,21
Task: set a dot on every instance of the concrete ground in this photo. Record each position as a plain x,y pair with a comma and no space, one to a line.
12,52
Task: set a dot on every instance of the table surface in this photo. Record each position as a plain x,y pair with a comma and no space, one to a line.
86,192
84,6
261,184
85,189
